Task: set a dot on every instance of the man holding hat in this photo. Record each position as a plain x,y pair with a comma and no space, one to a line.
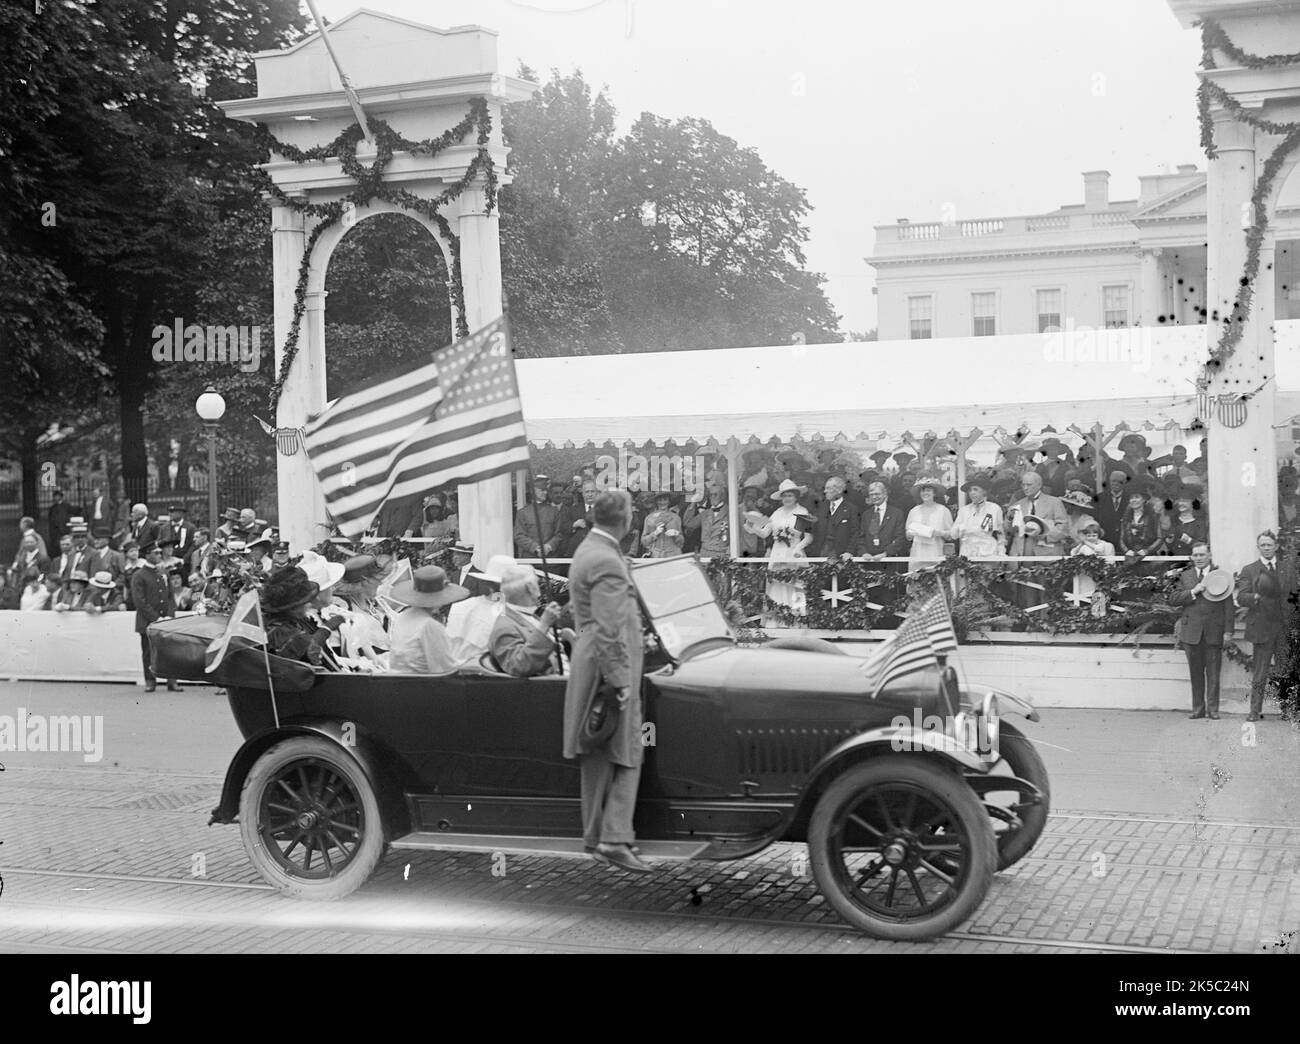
1205,593
530,541
602,701
421,644
152,598
1265,587
1037,521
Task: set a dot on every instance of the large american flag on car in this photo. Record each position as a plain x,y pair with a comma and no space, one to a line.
925,634
453,418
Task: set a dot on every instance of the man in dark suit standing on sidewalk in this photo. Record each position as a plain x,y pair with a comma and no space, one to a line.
152,597
1265,587
1206,596
606,666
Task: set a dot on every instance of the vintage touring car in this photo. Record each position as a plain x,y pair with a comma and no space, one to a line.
746,746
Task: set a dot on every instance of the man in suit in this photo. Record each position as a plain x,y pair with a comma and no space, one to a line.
83,558
58,517
606,666
141,529
882,526
835,530
576,522
101,511
1206,619
522,641
1265,587
1110,506
182,531
110,561
151,595
1035,503
462,566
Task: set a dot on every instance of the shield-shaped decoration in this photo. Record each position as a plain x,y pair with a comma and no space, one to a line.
1232,411
287,440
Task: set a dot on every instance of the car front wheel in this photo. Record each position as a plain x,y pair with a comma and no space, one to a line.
1009,808
902,849
309,819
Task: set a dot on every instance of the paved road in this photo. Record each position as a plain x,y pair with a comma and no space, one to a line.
1167,834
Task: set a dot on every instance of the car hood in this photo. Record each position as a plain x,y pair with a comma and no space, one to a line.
790,677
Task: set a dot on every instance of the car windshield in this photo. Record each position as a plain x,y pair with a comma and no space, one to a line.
679,601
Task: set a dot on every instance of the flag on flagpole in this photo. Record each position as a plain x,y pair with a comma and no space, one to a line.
453,418
922,637
245,622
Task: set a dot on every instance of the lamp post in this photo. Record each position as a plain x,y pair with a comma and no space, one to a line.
211,407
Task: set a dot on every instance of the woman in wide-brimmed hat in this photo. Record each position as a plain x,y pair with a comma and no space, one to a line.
929,524
979,524
789,528
421,644
1139,527
290,632
1079,506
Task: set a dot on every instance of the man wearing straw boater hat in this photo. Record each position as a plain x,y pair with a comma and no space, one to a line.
602,701
420,642
1205,593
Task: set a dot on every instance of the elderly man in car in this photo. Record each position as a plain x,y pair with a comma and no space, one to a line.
522,641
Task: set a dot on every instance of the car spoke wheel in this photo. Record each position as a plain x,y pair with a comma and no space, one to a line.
902,850
1017,821
309,819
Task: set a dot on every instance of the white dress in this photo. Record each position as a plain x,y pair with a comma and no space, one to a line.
928,526
788,542
977,528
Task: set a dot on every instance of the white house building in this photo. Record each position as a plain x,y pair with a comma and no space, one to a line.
1100,263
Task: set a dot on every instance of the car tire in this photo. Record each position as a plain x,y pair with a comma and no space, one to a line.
1023,761
866,818
307,796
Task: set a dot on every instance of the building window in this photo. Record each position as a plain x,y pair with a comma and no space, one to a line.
984,314
1114,306
920,317
1049,310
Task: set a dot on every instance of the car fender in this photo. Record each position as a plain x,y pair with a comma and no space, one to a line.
1007,701
888,741
351,739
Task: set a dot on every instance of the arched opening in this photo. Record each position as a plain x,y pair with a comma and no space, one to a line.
388,305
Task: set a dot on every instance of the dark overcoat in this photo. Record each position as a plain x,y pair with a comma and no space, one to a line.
1265,598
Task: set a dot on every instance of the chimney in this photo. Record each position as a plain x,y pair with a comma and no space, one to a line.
1096,191
1187,168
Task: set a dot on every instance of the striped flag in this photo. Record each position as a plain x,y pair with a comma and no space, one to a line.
923,636
245,622
454,418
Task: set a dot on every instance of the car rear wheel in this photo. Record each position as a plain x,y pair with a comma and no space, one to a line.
309,819
902,849
1006,807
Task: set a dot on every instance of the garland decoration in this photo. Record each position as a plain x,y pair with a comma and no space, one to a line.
1208,94
369,185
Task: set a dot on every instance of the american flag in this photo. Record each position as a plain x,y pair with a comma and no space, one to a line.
245,622
925,634
455,418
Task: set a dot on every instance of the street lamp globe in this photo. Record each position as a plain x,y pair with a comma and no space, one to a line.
211,406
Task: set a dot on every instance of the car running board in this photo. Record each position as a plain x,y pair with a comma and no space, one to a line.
514,844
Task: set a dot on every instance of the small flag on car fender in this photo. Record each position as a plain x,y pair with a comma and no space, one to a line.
245,622
918,642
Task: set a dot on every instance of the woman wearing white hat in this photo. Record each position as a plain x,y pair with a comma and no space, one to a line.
929,524
790,529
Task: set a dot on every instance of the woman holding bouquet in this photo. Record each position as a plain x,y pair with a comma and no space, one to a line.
929,524
790,530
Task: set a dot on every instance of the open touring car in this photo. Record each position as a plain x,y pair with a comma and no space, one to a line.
746,746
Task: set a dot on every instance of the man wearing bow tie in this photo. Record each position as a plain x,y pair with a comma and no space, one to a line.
1265,587
835,532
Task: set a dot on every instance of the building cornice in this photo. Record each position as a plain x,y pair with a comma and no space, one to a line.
899,260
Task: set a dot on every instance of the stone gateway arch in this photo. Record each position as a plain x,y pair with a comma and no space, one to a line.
420,88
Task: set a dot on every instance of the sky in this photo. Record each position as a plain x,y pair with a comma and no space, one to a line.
880,110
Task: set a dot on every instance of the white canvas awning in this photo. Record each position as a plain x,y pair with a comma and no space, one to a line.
875,390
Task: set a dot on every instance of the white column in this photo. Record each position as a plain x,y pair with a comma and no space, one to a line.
1151,289
733,496
486,515
301,503
1243,460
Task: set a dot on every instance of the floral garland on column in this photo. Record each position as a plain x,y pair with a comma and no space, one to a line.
369,181
1208,93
